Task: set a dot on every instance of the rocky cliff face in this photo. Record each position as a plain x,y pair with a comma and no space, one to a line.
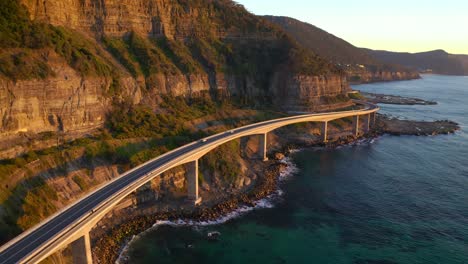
387,76
366,76
75,105
66,102
306,93
117,18
162,47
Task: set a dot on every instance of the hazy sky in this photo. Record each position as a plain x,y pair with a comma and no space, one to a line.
397,25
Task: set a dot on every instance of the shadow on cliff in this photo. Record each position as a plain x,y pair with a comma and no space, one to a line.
32,199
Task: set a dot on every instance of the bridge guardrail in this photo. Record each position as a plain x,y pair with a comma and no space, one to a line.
141,179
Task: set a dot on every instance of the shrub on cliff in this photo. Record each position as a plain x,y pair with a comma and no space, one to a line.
126,120
17,31
224,161
121,50
79,52
36,203
14,23
24,65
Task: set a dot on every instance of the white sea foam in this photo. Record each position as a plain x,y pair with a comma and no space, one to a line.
290,170
359,142
267,202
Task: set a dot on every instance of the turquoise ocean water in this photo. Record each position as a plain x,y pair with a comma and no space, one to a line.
389,200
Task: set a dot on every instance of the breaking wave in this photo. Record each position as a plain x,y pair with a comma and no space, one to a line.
267,202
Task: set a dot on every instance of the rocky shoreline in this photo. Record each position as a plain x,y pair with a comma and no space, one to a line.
394,99
107,247
386,124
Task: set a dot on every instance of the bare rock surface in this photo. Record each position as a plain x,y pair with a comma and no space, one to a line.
395,99
394,126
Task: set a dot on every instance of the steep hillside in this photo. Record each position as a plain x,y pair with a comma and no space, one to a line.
322,42
359,65
63,63
464,61
437,61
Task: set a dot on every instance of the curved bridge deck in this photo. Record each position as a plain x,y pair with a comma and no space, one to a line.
72,224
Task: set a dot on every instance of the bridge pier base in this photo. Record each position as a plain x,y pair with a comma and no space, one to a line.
356,125
81,250
192,182
324,131
263,146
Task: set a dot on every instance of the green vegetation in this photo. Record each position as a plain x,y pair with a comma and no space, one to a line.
341,98
18,32
15,27
150,57
160,55
179,54
341,123
263,51
7,167
37,202
304,61
211,53
24,65
121,50
354,78
79,52
224,161
201,177
356,96
81,183
337,50
322,43
165,129
437,61
139,121
257,58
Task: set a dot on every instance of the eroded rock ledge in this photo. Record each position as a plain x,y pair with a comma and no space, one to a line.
391,125
395,99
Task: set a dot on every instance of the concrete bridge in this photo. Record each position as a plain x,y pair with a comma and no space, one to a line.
73,224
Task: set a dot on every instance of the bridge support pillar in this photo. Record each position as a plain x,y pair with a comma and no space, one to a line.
192,182
372,119
263,146
81,250
368,122
324,131
356,125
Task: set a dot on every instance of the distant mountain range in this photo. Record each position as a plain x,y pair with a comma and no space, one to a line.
437,61
359,64
342,52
